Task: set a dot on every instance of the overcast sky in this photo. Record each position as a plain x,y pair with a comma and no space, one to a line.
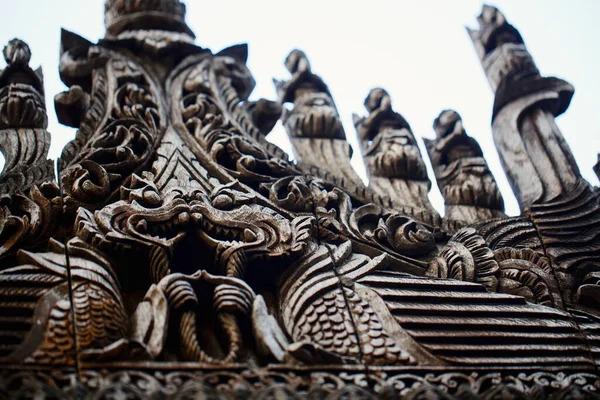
418,50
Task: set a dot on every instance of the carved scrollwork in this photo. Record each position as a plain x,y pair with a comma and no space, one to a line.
245,159
120,146
385,229
227,133
393,231
233,83
292,193
201,115
296,383
199,261
522,272
526,273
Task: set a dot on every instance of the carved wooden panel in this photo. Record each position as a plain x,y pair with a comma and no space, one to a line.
179,254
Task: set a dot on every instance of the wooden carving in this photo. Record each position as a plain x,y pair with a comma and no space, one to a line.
469,189
394,162
179,254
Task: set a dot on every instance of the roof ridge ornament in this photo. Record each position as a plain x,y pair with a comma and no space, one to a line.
126,15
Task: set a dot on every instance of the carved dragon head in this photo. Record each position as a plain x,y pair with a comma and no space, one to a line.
229,221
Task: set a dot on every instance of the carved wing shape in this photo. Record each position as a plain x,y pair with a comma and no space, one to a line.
34,295
465,324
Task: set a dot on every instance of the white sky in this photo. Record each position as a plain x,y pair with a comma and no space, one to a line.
417,50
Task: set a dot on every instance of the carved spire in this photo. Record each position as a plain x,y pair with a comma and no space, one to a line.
465,180
24,140
535,156
303,80
19,75
391,154
29,198
173,252
313,124
125,15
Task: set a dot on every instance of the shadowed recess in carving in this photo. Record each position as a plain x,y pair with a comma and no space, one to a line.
184,255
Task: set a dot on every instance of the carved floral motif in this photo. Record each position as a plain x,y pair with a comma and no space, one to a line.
182,254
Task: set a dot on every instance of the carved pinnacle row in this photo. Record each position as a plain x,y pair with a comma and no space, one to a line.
186,244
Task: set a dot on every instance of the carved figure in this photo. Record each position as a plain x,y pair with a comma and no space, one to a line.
181,254
391,154
467,184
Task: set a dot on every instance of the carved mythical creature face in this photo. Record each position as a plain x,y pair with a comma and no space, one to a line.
228,221
315,116
394,153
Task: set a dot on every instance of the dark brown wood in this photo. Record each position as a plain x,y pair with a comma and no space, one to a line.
180,254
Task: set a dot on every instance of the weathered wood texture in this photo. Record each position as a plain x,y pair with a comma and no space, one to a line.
179,254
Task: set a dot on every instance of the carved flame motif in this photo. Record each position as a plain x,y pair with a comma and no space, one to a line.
179,240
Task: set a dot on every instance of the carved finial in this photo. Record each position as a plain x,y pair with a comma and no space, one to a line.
448,122
303,80
381,115
387,141
123,15
24,141
378,98
463,176
525,102
23,104
297,62
494,30
490,16
17,52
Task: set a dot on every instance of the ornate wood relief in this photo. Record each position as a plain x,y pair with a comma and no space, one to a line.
469,189
179,254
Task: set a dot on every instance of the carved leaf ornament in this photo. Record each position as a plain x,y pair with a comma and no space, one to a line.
179,254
